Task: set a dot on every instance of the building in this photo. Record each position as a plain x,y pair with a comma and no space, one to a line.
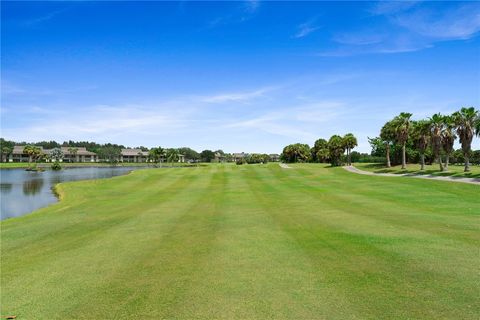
219,157
78,154
133,155
18,155
238,156
274,157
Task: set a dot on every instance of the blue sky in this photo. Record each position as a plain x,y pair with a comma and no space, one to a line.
241,76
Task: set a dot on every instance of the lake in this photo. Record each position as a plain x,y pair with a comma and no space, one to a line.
22,192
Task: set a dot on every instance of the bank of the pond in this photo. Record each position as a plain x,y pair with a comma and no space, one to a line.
24,191
16,165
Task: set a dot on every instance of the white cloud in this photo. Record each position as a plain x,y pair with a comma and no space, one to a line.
107,121
305,29
238,96
242,13
459,23
391,7
412,26
297,122
41,19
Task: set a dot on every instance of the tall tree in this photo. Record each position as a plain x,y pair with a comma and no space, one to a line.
436,129
350,142
336,148
56,154
157,155
387,134
297,152
402,128
109,153
6,148
172,155
207,155
448,139
465,121
34,153
421,136
73,153
319,151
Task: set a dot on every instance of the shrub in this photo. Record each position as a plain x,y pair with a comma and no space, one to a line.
56,166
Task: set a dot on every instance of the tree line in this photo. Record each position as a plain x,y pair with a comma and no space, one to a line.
331,151
432,138
110,152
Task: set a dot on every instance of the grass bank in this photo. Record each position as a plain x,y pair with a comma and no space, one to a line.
453,170
246,242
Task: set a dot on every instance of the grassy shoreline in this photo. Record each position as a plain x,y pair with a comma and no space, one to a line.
247,242
17,165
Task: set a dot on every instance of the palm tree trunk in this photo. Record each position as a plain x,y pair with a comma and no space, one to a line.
387,147
422,161
439,157
404,160
447,160
467,162
349,161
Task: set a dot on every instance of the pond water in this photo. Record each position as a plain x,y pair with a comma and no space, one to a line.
23,191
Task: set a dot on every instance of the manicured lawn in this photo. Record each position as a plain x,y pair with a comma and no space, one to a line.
453,170
247,242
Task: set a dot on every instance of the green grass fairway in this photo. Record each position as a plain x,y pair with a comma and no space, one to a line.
453,170
247,242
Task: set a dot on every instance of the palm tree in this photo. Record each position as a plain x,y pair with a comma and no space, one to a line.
448,138
436,129
73,153
477,125
6,150
160,154
465,121
402,126
421,135
336,148
33,153
350,142
387,134
156,154
139,156
172,155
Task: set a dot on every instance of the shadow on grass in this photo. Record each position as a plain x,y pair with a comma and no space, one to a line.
379,168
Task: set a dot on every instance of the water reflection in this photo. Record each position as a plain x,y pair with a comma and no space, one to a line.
24,191
5,187
32,187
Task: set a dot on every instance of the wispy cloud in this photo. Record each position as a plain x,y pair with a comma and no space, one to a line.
244,12
359,39
238,96
11,89
458,23
108,121
300,122
391,7
412,26
306,28
251,6
41,19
